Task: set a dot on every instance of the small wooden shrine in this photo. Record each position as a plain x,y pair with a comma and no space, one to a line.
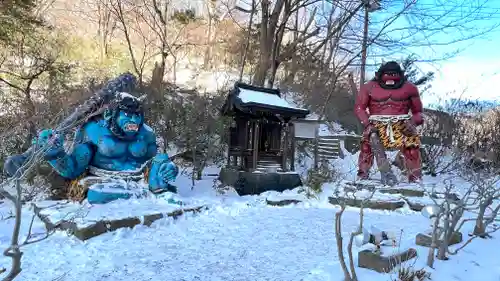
261,152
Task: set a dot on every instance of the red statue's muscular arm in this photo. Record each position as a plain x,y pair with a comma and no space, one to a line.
361,105
416,107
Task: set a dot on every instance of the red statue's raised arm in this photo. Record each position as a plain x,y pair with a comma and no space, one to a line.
416,107
361,105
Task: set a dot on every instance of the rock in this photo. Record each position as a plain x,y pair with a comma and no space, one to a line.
281,203
425,240
403,191
100,227
383,264
357,186
451,196
415,206
371,204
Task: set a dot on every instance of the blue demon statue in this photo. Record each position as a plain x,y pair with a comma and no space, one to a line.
111,154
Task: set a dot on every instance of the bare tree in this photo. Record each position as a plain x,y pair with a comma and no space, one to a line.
150,26
107,25
453,207
273,24
124,12
14,250
23,62
349,272
214,17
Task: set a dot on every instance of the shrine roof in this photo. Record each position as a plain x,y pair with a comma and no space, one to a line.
250,99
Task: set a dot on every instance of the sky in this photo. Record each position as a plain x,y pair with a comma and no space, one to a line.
475,70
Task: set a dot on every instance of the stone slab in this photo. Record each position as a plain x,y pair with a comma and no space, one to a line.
84,223
281,203
415,206
370,204
383,264
425,240
403,191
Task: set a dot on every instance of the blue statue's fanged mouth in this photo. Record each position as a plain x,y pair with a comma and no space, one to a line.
131,127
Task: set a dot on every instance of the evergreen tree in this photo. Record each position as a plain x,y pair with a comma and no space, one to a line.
17,16
415,76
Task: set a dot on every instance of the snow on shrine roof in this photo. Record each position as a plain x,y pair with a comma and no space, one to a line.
251,96
254,100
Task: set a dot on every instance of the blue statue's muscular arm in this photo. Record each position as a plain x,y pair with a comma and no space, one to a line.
74,164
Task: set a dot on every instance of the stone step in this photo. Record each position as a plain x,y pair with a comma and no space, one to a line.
267,162
266,170
329,147
325,143
328,157
369,204
330,137
268,167
321,138
328,153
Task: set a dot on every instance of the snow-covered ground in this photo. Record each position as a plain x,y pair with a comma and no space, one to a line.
236,242
237,238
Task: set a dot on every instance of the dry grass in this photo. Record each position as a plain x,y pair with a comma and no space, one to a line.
409,273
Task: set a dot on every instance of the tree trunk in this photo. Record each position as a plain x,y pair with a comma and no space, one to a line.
210,34
199,173
340,250
434,239
30,113
268,27
259,77
443,247
480,227
14,251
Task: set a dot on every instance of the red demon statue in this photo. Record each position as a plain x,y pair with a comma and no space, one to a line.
383,106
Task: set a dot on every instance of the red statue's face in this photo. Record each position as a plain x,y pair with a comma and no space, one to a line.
390,77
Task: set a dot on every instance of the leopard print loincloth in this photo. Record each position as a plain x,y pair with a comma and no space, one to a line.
400,140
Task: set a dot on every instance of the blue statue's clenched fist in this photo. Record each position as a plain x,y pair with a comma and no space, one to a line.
163,172
168,171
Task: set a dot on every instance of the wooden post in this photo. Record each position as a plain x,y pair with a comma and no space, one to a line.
255,145
316,144
292,161
229,146
245,144
364,46
285,150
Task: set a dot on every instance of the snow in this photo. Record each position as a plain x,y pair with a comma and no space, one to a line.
236,238
86,214
123,95
285,195
241,240
248,96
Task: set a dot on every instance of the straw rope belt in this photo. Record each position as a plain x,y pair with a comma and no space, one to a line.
389,120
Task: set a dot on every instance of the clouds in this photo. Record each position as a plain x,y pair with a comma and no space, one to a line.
464,78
